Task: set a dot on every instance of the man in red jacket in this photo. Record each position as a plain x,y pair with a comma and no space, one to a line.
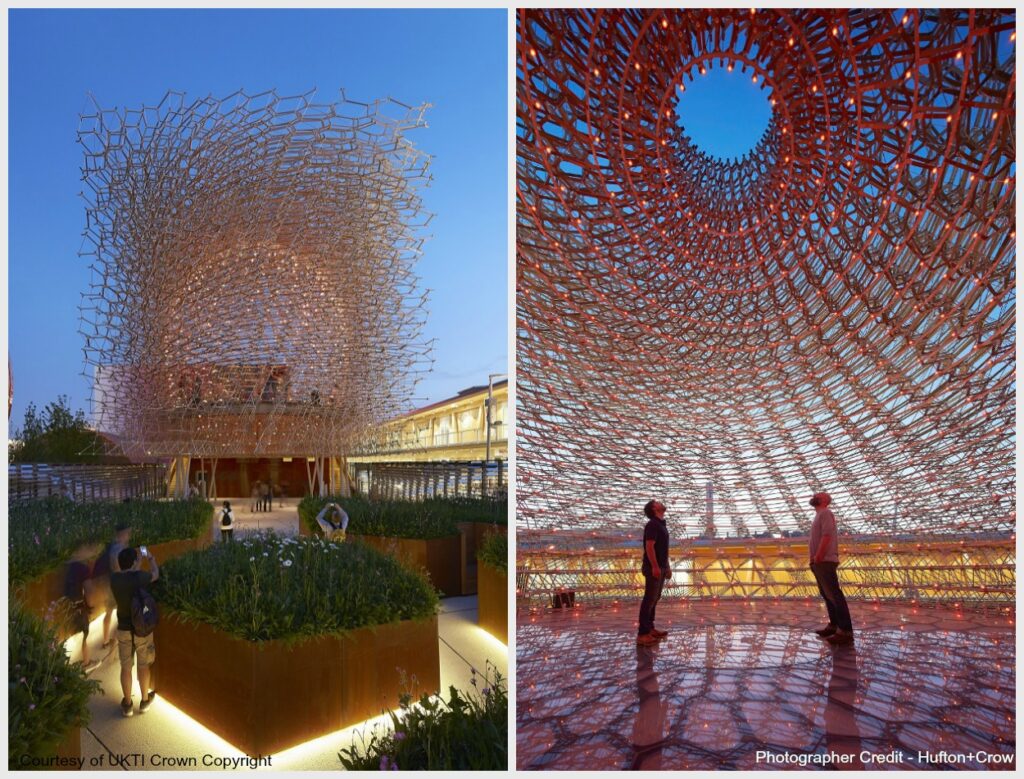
823,549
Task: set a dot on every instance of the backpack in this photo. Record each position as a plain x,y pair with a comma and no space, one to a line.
144,613
225,518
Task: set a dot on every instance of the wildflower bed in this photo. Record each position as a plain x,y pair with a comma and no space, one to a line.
465,732
48,696
271,641
44,533
438,535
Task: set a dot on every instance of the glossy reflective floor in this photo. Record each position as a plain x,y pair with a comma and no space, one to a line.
749,686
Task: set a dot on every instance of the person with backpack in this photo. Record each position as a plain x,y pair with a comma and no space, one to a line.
105,565
136,620
227,523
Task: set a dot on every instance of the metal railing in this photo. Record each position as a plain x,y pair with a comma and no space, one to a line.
33,481
417,481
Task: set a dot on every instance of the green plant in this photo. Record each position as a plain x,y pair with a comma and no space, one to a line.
401,519
432,518
465,732
494,551
57,435
47,694
265,586
45,533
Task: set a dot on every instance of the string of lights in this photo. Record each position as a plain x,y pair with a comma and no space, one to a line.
252,257
832,311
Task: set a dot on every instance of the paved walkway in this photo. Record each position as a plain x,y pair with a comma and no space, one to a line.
166,731
283,519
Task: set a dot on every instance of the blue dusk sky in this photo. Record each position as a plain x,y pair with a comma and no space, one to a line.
724,113
455,60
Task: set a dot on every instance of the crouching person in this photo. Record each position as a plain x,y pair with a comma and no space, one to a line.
333,521
136,620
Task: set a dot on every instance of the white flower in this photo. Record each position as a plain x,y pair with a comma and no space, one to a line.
287,563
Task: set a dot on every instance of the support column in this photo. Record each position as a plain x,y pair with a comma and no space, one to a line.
320,476
212,487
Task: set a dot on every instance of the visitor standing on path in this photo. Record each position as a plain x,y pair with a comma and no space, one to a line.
105,566
823,548
227,523
126,584
255,495
655,569
265,494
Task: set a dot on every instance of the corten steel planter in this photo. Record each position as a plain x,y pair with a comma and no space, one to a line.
473,534
441,557
263,697
492,601
43,590
70,745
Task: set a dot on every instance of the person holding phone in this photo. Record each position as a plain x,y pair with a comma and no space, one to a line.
333,529
105,566
133,649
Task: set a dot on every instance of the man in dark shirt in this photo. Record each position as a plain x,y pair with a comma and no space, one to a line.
124,583
101,575
655,570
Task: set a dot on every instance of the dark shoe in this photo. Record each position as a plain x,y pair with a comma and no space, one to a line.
144,706
827,631
126,707
646,640
840,638
659,634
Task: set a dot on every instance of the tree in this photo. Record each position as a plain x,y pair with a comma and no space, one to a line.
58,435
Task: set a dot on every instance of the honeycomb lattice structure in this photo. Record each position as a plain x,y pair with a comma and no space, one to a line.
834,311
253,291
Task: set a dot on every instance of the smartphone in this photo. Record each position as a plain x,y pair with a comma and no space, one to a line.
145,552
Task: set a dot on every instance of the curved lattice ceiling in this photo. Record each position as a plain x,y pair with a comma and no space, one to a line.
253,290
834,311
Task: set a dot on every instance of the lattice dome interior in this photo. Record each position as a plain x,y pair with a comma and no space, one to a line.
833,311
253,290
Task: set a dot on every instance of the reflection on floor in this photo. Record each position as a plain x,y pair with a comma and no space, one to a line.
749,686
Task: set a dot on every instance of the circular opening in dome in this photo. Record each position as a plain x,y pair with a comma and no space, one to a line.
724,113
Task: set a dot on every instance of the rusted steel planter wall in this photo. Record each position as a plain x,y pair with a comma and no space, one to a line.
439,556
492,601
473,534
267,696
71,746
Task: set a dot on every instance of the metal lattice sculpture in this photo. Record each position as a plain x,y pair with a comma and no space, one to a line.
253,291
833,311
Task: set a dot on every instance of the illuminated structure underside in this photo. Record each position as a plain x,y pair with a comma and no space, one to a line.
253,292
833,311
